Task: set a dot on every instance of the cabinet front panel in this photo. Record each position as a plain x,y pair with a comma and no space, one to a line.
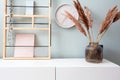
88,73
27,73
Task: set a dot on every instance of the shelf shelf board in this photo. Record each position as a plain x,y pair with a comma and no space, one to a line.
29,16
28,28
27,46
28,6
26,58
30,23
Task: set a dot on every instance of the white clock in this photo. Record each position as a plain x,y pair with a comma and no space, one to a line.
60,17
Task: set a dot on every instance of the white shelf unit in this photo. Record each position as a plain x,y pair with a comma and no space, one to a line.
31,28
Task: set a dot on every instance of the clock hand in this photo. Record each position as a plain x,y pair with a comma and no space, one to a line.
64,18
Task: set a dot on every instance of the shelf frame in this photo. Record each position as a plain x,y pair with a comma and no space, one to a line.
31,28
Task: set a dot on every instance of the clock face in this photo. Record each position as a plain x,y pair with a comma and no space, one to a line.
60,17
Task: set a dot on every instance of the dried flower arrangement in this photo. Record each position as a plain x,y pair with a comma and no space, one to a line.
85,19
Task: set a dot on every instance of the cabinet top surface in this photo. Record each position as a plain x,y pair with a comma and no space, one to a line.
55,63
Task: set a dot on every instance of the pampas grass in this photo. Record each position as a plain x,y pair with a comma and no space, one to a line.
78,25
90,22
107,22
85,18
81,13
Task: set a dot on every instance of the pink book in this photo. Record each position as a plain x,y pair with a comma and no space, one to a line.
23,41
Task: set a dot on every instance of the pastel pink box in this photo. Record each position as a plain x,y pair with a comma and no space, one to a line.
25,45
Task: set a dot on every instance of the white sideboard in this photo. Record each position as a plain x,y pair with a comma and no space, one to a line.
26,70
82,70
58,69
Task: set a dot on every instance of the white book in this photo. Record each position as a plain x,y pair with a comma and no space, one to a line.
30,8
25,45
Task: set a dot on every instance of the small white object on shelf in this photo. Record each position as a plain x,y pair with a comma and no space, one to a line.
29,7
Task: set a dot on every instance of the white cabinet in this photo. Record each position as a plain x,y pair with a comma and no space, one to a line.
58,69
27,73
84,73
87,71
26,70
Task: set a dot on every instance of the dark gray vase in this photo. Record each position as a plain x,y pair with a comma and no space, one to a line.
94,53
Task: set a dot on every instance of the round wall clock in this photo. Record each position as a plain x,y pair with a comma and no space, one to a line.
60,17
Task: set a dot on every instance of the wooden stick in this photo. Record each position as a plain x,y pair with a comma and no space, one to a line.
49,31
33,21
4,31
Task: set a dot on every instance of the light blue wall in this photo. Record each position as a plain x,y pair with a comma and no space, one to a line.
69,43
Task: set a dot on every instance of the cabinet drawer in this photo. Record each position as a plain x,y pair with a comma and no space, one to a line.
88,73
27,73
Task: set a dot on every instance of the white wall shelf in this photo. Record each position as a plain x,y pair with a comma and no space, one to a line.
33,17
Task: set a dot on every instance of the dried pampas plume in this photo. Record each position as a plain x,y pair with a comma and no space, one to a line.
88,15
78,25
110,17
108,20
81,13
84,17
